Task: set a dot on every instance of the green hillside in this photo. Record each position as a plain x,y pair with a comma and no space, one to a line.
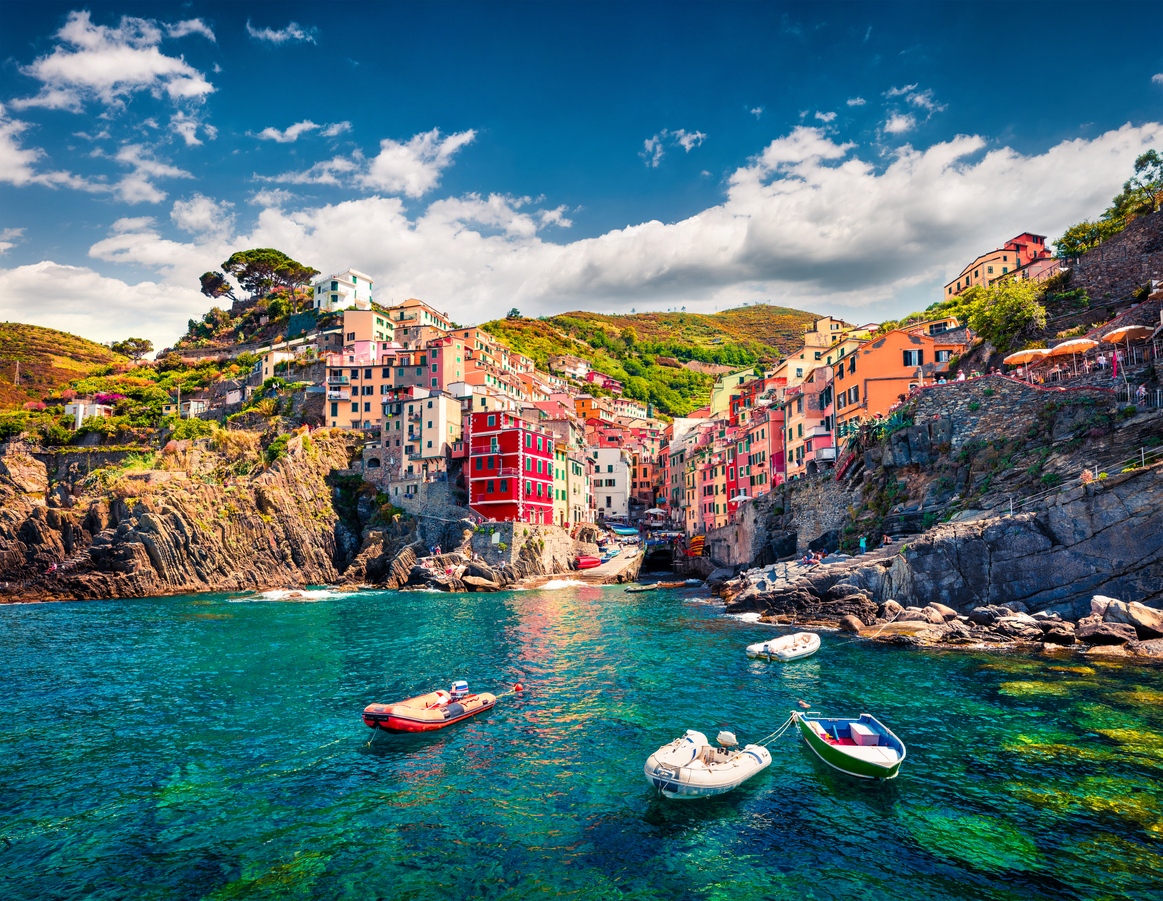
48,360
629,347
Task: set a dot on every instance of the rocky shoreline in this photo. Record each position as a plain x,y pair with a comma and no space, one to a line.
1085,574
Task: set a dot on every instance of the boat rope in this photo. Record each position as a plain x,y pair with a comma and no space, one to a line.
778,733
889,623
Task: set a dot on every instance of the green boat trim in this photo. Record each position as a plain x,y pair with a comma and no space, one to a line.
830,739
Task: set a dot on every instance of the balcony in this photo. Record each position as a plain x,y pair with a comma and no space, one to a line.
821,455
338,380
818,431
339,394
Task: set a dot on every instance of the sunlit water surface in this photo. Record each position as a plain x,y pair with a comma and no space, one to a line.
212,747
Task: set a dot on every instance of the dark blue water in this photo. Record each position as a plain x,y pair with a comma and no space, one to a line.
203,747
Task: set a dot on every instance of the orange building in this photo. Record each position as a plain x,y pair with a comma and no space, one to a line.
988,267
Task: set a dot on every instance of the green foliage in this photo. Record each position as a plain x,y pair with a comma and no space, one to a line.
513,313
134,348
192,428
1084,236
1051,479
264,268
974,407
1138,197
215,285
1003,311
277,449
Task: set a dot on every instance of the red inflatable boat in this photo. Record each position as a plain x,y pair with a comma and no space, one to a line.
588,562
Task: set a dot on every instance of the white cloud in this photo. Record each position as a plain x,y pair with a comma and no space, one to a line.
276,197
138,186
856,101
1157,79
825,117
190,26
294,33
186,127
337,170
808,222
7,238
413,168
83,302
757,112
899,124
924,99
18,164
556,217
291,134
335,128
201,215
654,147
132,224
653,153
107,64
897,92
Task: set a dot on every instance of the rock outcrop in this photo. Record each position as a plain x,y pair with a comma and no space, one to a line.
176,530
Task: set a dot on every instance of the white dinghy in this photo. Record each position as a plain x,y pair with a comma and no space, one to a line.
786,647
690,767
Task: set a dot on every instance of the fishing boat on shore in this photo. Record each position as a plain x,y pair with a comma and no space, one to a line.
588,562
859,746
429,712
691,767
786,647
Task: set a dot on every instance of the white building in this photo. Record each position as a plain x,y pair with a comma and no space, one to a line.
81,410
338,292
611,482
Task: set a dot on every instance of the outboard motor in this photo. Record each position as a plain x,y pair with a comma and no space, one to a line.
459,690
727,739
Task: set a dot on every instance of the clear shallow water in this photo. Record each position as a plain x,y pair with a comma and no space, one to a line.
205,747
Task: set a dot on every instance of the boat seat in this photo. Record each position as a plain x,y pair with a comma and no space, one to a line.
877,754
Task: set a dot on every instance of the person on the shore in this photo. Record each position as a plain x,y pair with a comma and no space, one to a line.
863,543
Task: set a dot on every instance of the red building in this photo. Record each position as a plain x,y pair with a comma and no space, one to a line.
510,468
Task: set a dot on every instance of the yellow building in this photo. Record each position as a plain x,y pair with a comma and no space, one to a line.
561,480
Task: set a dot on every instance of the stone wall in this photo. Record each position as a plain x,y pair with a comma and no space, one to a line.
1005,412
815,508
541,549
1127,261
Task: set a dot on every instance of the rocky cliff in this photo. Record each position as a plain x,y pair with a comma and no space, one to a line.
1027,577
198,517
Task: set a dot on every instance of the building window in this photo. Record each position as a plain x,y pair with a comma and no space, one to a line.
492,420
355,408
480,463
914,357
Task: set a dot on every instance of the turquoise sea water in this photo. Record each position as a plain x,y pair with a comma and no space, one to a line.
207,747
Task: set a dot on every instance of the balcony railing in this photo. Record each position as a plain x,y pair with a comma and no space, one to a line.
338,380
339,394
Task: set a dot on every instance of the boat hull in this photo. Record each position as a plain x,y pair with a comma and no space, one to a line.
588,562
683,771
425,713
881,762
786,647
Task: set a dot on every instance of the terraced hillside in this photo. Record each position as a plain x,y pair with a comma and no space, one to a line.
644,351
48,360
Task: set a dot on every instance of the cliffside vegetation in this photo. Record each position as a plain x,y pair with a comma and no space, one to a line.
49,360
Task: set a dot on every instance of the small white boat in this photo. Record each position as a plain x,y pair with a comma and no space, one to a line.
786,647
690,767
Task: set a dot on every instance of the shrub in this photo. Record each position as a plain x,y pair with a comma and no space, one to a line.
988,392
974,407
193,428
1052,479
277,449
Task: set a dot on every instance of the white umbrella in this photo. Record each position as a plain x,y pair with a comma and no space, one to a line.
739,498
1126,333
653,510
1030,355
1072,347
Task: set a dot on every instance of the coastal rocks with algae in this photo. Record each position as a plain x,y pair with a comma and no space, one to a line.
197,518
1013,579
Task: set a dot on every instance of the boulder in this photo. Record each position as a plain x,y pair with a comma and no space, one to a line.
27,473
480,570
1018,628
1105,633
828,542
1152,648
476,583
1147,621
987,616
851,623
889,609
948,613
912,615
1059,635
1098,605
1016,606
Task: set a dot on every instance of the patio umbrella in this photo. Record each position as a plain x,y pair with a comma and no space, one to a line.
1126,333
1030,355
654,510
1072,347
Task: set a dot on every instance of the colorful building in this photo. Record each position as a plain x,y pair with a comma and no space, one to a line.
510,468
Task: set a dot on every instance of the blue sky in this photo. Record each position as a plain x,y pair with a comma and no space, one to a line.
840,158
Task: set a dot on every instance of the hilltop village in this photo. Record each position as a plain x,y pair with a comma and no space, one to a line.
314,435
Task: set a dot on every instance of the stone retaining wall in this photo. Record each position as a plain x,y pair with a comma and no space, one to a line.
555,553
1005,412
